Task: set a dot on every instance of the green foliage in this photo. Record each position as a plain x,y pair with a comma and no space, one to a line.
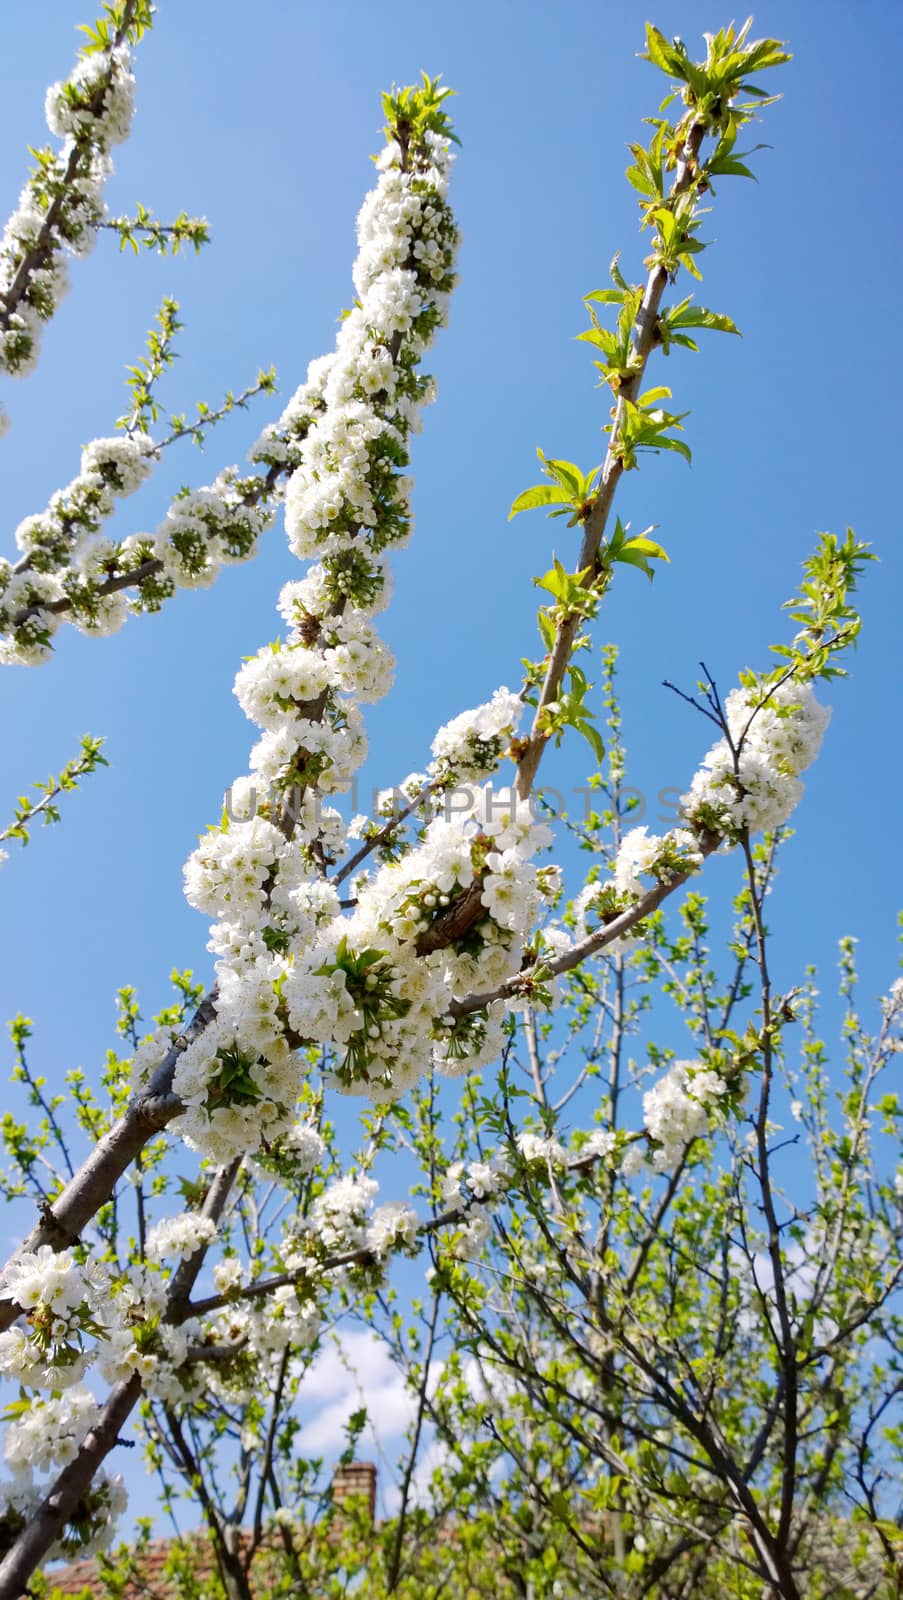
711,87
635,551
622,362
27,810
570,490
675,321
570,710
121,20
645,425
167,238
828,622
416,110
208,416
145,374
670,175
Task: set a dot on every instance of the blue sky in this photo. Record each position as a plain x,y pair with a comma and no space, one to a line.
262,119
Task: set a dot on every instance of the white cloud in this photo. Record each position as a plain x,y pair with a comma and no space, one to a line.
354,1369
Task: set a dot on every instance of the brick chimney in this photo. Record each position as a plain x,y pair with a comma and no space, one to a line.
356,1480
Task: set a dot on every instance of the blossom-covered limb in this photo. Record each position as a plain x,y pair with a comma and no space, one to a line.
263,872
61,1223
70,570
343,575
778,729
459,914
221,523
619,926
61,204
363,1255
47,1520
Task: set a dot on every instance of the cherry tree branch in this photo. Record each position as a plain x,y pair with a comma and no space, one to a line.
617,928
41,251
612,470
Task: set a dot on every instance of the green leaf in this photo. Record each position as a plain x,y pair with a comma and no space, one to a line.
728,167
639,181
665,442
687,315
615,273
601,337
661,53
594,739
647,547
546,628
564,472
542,494
652,395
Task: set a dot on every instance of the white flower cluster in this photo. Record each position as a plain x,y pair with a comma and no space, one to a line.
48,1278
471,746
481,1180
893,1002
96,103
541,1150
600,1145
228,1275
473,1234
62,203
278,447
77,1313
49,1432
290,968
375,986
641,855
149,1055
179,1237
346,493
91,1529
73,1314
680,1107
287,1319
475,1188
70,563
343,1220
305,1146
138,1339
64,1301
63,1305
203,530
239,1096
777,733
644,855
340,1215
394,1227
378,984
65,555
